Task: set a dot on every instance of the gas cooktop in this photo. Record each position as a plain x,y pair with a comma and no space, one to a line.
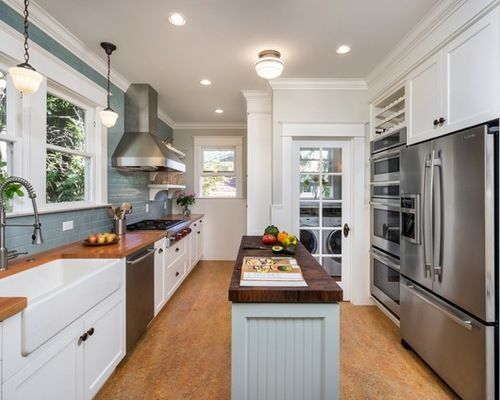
154,224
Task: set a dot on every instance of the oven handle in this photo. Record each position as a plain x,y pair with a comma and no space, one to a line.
385,183
385,155
384,206
384,259
146,255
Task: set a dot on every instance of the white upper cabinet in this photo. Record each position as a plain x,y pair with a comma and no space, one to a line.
425,94
472,71
458,86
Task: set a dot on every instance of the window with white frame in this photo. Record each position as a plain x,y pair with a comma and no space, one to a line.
68,160
218,166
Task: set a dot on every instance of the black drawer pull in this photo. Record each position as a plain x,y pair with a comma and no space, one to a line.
84,337
441,121
177,273
435,122
91,331
176,249
199,232
160,251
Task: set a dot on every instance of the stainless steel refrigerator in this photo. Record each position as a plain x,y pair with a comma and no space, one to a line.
449,265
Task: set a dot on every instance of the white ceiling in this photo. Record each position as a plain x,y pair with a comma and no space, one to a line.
222,38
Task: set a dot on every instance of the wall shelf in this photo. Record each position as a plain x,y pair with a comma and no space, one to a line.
388,113
154,189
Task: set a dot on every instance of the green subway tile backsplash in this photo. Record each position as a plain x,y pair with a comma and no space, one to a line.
131,187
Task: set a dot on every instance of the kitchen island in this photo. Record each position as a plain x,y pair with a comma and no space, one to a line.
285,340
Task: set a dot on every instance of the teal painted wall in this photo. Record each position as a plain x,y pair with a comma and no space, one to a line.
131,187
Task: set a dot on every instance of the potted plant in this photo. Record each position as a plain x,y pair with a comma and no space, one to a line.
185,200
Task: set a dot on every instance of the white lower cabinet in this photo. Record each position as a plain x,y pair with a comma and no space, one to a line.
74,364
105,345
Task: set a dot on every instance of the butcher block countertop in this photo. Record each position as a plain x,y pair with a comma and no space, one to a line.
321,288
128,244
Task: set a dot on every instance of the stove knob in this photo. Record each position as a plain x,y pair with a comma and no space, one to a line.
185,232
178,236
189,230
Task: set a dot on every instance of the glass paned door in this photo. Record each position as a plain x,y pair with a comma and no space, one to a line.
321,203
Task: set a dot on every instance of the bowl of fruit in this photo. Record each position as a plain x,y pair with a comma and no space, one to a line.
101,239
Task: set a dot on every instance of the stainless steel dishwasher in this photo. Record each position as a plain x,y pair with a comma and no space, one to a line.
140,294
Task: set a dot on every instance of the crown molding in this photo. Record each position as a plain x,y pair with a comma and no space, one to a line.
318,84
166,118
429,22
209,125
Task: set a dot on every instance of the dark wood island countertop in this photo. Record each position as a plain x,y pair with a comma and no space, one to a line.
321,288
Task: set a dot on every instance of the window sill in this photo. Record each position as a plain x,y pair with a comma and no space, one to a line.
54,210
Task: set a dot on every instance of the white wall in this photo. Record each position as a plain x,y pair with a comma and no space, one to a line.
225,219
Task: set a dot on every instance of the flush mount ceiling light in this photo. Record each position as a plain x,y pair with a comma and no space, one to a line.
205,82
269,64
24,76
344,49
219,111
108,116
177,19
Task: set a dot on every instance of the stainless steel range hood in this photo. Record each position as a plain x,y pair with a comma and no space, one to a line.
140,148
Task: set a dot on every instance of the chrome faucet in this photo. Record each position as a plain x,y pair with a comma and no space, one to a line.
37,238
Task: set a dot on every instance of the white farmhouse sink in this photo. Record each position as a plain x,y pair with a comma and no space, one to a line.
58,293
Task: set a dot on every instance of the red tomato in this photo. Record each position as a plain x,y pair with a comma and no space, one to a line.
269,239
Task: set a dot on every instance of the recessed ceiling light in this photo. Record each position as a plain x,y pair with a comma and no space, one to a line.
177,19
219,111
344,49
205,82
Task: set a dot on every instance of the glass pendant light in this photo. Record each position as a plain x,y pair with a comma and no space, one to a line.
269,64
24,76
108,116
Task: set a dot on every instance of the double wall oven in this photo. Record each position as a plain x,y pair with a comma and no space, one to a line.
385,214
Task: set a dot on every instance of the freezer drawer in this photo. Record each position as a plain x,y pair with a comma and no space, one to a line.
459,348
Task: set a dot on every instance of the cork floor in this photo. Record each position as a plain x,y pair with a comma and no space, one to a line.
186,352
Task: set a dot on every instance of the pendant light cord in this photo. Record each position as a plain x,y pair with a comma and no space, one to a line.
26,15
109,70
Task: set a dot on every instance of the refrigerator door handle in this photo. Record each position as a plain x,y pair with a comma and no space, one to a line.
467,324
427,217
437,261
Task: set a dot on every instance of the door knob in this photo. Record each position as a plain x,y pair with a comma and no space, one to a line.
346,230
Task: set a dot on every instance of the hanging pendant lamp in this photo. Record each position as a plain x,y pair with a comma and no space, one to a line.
108,116
24,76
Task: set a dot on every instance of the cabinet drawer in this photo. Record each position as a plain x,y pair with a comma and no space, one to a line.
174,275
176,250
459,348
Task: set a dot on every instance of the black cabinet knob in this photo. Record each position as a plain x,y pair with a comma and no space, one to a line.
198,232
177,273
84,337
176,249
442,121
91,331
436,122
160,251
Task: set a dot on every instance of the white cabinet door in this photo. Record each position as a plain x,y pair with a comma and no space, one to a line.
472,70
104,346
160,256
425,97
56,374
